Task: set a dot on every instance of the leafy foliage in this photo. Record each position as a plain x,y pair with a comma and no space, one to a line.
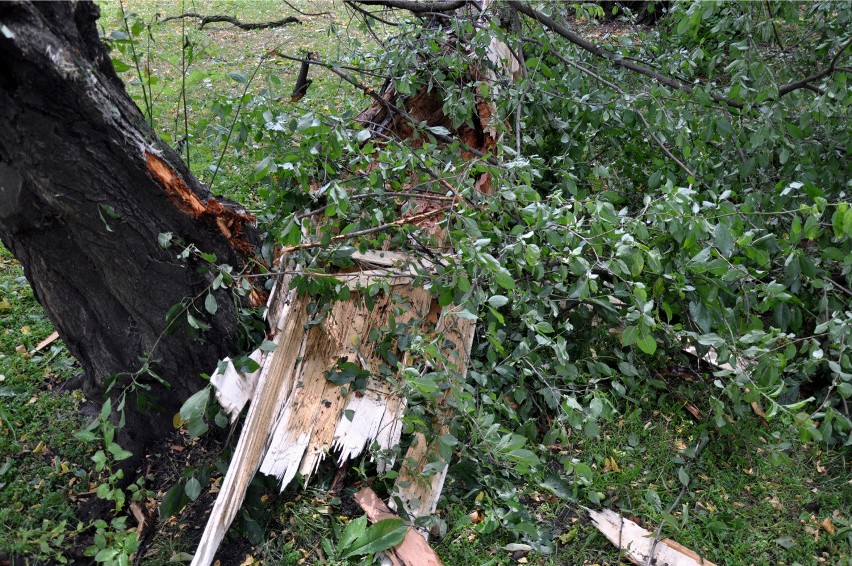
632,220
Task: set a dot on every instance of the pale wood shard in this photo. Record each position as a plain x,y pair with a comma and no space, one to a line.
313,418
637,542
413,550
233,388
273,387
47,341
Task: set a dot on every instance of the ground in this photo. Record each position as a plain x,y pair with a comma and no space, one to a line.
756,497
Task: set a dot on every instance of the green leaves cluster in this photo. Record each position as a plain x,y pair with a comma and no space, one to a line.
598,258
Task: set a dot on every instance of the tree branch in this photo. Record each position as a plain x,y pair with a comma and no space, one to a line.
805,82
413,219
309,14
619,90
367,13
234,21
613,58
417,7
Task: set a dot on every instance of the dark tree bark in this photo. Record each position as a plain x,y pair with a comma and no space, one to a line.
73,149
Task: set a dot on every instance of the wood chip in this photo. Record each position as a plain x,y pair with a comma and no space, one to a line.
413,549
47,341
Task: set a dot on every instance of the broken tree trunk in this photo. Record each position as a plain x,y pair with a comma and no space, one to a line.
86,187
297,415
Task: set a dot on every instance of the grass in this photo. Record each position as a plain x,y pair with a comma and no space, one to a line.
42,467
754,497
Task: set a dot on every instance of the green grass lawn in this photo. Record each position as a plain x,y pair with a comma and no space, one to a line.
754,497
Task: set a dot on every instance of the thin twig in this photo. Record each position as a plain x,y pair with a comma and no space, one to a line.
236,116
292,7
424,196
343,237
368,14
619,90
698,450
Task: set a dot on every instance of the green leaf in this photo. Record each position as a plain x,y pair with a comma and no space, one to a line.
724,240
210,304
383,535
194,406
354,529
683,477
193,488
498,301
647,343
197,324
239,77
466,314
106,409
174,500
505,279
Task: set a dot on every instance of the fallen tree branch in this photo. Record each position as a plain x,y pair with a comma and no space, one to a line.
234,21
626,63
805,82
613,58
619,90
416,6
392,108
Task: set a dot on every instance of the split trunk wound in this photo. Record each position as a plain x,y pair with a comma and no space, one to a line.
229,222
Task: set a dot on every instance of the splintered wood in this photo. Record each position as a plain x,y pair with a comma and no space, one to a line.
639,545
297,415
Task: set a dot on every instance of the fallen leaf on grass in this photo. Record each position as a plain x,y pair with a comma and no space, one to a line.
812,531
828,526
758,410
610,465
786,542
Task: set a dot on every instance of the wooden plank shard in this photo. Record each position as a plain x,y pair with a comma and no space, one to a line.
297,416
638,543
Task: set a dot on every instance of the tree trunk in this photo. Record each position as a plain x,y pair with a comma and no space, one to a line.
86,187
